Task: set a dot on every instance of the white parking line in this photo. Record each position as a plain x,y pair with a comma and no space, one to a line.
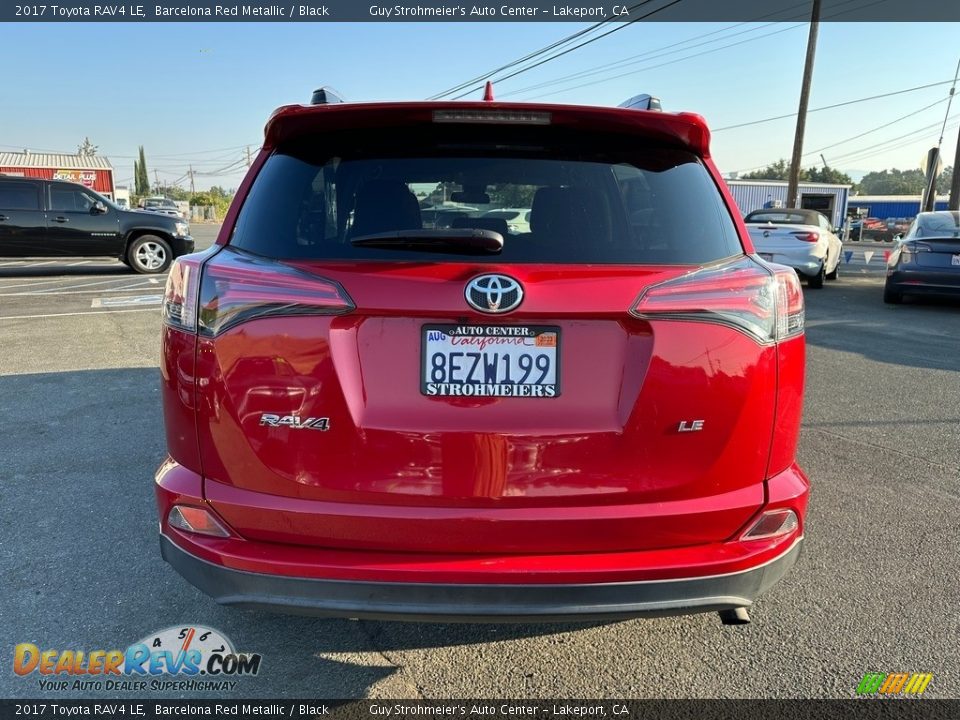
122,301
54,292
87,312
67,284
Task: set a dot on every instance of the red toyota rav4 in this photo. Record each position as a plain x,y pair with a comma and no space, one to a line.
594,414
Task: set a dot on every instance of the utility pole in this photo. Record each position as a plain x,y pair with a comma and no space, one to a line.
248,156
955,185
192,189
793,186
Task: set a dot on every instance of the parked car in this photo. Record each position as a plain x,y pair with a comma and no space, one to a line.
53,218
162,205
370,418
518,219
802,239
926,261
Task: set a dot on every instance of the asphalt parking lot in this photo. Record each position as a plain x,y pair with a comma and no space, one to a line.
875,591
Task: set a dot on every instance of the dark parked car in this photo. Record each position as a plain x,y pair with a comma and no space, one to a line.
926,261
370,417
50,218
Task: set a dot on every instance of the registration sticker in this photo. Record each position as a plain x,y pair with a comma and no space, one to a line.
520,361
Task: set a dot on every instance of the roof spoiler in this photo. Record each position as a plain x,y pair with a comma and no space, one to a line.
641,102
326,96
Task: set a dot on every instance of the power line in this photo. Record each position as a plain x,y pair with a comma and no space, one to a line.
633,59
594,39
834,106
529,56
671,62
879,127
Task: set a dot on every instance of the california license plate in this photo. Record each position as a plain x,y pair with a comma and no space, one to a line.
490,361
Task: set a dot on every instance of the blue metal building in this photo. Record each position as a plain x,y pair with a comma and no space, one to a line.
829,199
893,206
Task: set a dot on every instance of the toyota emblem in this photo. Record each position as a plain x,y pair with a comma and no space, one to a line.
493,293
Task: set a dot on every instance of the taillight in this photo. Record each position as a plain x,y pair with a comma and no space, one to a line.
179,307
765,302
237,287
806,236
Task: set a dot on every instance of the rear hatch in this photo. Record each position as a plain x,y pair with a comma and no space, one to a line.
939,253
372,384
780,239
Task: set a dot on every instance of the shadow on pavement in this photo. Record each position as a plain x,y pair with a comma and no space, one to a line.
852,317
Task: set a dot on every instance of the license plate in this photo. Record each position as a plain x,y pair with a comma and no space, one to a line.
490,361
955,260
766,256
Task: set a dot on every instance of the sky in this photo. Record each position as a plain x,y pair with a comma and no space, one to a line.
199,93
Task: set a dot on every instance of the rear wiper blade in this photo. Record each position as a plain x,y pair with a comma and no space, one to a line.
458,241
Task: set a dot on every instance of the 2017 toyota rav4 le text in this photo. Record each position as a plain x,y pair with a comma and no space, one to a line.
596,417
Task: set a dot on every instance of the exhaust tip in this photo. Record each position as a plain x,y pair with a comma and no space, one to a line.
735,616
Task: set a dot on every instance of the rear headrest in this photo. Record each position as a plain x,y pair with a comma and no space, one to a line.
383,206
496,224
567,212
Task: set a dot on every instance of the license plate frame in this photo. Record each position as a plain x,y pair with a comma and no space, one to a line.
493,331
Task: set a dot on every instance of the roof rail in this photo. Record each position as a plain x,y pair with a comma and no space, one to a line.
642,102
325,96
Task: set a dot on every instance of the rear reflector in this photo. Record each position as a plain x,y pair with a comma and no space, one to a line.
765,302
510,117
196,520
238,287
773,523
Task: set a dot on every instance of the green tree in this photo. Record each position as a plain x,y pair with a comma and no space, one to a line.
827,175
780,170
137,187
87,148
144,177
511,195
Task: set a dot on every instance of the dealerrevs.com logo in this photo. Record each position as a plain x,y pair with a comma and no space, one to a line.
177,658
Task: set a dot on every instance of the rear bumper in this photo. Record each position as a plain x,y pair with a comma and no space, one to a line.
478,602
925,281
803,261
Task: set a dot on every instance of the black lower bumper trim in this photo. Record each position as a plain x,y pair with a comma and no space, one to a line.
475,602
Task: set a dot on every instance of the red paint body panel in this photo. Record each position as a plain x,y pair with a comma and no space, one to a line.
610,438
178,485
668,439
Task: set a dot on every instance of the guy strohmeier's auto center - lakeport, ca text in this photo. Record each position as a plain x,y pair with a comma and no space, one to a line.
295,11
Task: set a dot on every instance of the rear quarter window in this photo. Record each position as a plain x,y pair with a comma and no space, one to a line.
600,203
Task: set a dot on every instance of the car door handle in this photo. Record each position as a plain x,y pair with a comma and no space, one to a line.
61,219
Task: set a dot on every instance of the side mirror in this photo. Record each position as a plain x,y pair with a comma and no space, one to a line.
98,208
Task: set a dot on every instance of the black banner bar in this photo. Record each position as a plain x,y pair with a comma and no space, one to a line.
584,11
866,708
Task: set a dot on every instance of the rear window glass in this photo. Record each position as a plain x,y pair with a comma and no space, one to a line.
19,196
941,225
603,201
778,217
